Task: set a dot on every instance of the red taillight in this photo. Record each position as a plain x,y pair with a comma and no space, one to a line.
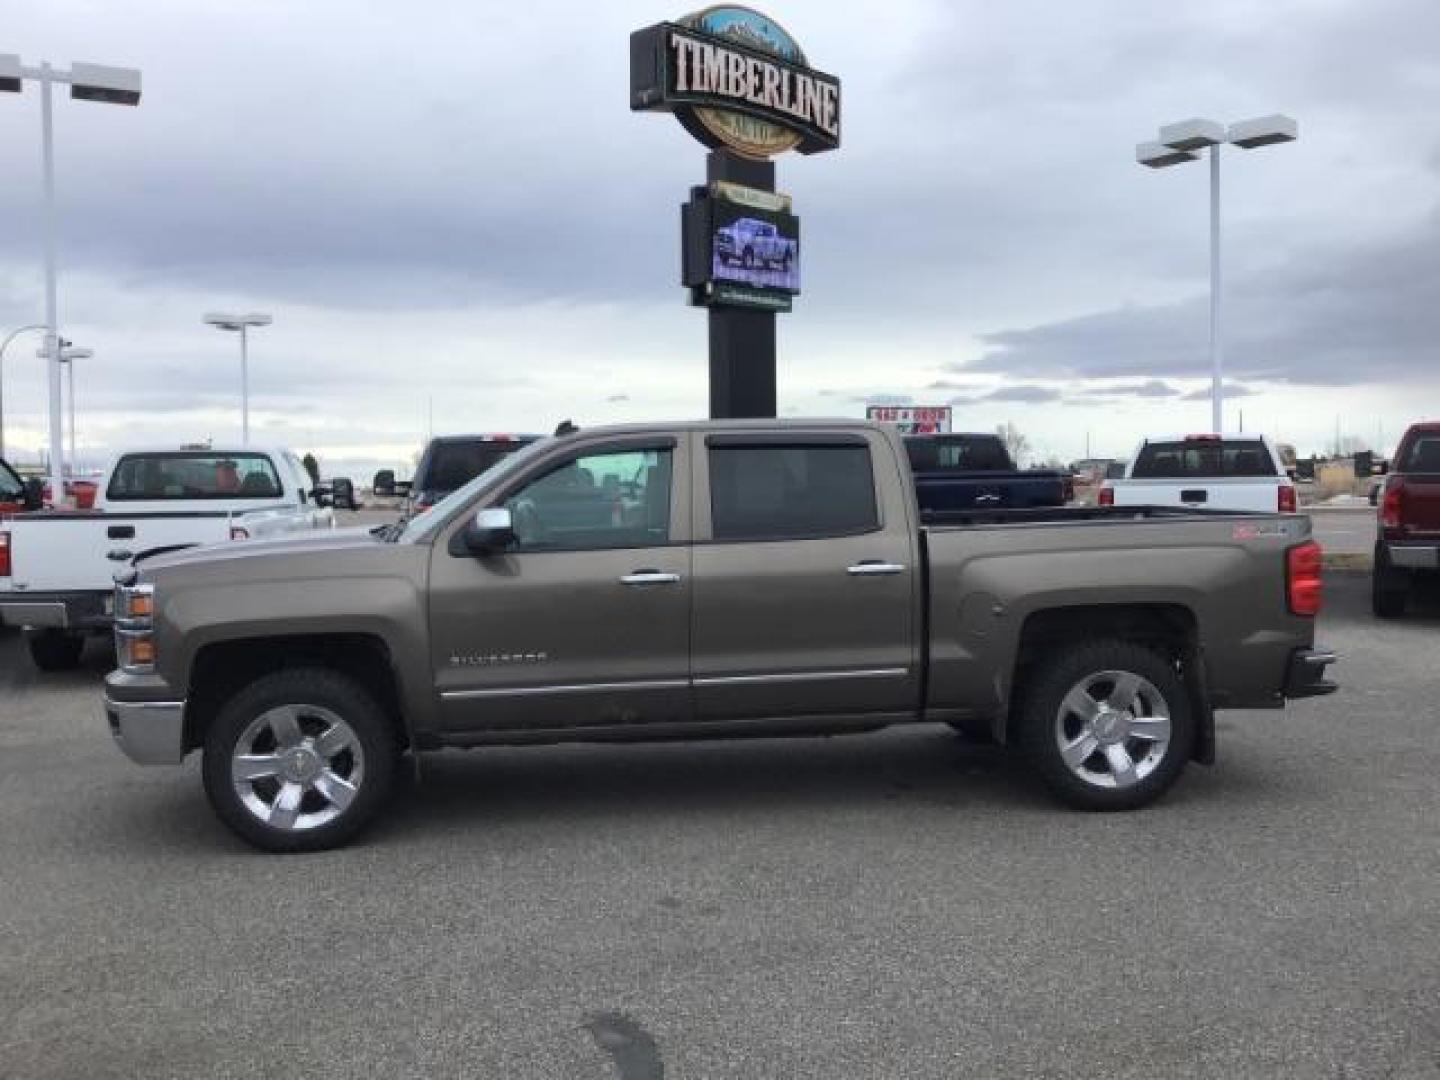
1392,506
1107,496
1202,438
1304,583
4,554
1287,503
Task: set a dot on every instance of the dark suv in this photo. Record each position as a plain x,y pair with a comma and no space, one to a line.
452,461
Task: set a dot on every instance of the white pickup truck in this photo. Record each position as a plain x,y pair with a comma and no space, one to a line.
57,567
1214,472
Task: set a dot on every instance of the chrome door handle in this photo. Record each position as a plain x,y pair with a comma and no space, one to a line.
874,569
650,577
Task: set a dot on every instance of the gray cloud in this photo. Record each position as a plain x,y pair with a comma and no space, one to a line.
1228,391
1027,395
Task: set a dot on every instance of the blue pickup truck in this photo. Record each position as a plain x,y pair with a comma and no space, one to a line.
974,471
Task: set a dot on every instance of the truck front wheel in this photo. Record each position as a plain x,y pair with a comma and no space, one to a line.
1107,724
299,760
56,650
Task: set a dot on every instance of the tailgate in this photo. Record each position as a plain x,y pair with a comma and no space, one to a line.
69,552
1422,504
1261,495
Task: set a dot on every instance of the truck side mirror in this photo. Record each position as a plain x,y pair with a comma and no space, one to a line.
490,531
34,494
342,493
321,495
384,483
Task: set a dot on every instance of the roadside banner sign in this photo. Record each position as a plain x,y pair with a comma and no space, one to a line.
912,419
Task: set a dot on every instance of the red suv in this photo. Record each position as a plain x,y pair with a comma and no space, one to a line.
1409,527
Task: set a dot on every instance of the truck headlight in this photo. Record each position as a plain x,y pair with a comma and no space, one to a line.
135,627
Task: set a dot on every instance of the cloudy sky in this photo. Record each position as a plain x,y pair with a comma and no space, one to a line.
448,207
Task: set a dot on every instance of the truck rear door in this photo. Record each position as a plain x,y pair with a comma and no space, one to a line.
806,576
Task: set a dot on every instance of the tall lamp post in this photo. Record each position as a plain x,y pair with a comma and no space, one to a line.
68,355
1180,143
87,82
3,346
242,323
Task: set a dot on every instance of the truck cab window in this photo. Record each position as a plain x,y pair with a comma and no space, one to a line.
604,500
791,491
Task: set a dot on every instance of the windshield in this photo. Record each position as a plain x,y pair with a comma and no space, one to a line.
1189,458
423,524
957,453
454,463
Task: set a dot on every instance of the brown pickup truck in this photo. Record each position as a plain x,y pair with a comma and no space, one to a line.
714,579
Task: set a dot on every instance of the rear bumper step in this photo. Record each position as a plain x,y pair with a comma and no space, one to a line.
1306,676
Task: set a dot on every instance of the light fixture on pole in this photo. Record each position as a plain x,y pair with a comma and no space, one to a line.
87,82
3,346
1182,142
242,323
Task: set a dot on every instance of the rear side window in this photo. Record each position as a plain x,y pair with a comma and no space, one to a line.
11,489
1424,455
1195,458
958,453
453,464
791,491
157,477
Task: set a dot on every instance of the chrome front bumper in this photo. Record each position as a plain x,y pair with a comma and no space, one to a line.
150,732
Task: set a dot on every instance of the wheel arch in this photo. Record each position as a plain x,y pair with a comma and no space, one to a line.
1170,629
220,669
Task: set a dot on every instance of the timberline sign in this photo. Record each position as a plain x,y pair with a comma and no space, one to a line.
735,79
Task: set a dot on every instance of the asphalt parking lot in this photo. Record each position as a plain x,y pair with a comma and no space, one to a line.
892,905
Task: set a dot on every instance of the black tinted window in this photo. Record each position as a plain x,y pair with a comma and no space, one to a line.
1424,455
1203,457
450,465
958,453
779,492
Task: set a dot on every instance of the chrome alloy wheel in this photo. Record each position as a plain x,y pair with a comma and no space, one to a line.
297,767
1113,729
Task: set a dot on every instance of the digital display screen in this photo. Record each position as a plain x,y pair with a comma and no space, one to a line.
754,247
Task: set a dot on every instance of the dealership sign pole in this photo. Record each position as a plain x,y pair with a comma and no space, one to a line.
741,85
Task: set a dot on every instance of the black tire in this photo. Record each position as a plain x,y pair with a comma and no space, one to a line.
56,650
748,259
309,690
1389,587
1069,668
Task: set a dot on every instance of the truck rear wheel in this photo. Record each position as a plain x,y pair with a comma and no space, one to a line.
1388,587
299,760
1107,724
56,650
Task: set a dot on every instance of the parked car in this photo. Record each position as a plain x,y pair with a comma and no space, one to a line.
56,574
974,471
452,461
749,242
1408,541
1221,472
16,496
716,579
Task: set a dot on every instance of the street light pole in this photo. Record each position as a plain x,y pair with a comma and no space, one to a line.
87,82
242,324
1217,348
1180,143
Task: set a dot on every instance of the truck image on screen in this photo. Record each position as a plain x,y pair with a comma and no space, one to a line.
755,252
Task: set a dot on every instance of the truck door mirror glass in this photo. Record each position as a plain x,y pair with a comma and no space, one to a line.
342,493
34,494
321,495
492,530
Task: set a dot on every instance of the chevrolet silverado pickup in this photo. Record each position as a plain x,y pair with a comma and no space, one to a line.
966,471
57,567
710,580
1221,472
1408,540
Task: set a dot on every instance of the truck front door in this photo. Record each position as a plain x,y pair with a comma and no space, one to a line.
807,580
584,621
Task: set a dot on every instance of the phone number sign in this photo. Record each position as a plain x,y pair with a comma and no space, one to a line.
912,420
